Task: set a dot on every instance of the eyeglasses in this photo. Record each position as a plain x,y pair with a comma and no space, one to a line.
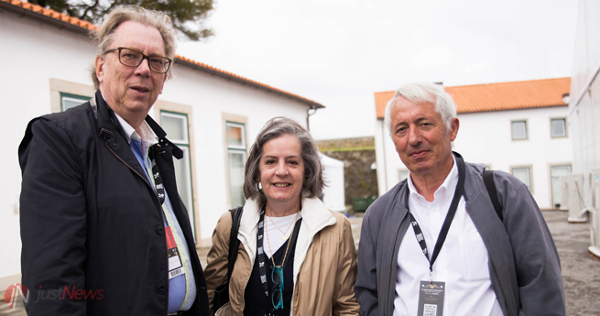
277,293
133,58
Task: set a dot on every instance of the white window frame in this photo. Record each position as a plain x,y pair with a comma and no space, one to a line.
550,167
564,120
530,173
512,130
402,171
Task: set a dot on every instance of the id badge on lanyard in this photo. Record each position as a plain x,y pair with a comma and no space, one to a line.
431,298
174,259
175,265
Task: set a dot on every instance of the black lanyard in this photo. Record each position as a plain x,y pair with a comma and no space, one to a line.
446,226
262,259
158,183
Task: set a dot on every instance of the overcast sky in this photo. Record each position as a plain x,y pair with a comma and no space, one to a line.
339,52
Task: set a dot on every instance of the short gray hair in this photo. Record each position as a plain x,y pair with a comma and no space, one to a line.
313,170
424,93
103,35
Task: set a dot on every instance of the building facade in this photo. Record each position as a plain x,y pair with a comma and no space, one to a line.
518,127
584,112
213,115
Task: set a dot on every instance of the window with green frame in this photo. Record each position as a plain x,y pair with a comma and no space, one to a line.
176,126
236,158
69,100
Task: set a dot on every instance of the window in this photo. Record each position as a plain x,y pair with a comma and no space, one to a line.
519,130
68,100
65,94
558,127
523,174
176,127
403,174
556,172
235,134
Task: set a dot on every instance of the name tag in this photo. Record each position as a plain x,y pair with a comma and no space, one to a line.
431,298
175,266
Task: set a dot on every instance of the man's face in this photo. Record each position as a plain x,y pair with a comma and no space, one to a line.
421,138
131,91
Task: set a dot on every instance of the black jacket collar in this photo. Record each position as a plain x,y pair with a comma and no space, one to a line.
108,124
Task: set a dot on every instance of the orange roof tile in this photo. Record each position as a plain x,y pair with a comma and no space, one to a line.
498,96
71,21
51,13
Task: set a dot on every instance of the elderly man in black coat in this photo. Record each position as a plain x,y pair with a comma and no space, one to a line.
103,228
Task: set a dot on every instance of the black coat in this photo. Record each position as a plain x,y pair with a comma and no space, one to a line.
91,225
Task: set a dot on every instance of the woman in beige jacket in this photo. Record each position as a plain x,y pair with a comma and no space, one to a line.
284,222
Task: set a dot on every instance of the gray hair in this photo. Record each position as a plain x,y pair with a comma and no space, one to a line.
104,35
424,93
313,170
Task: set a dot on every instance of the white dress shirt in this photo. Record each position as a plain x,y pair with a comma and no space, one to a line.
462,262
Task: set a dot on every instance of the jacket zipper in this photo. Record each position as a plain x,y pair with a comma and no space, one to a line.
128,166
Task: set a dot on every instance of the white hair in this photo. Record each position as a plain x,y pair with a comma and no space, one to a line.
423,93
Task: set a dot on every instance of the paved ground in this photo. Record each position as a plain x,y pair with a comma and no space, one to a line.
581,272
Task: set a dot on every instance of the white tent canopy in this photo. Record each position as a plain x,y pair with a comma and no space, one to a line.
333,193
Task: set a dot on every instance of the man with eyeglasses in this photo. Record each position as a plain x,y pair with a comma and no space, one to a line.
103,228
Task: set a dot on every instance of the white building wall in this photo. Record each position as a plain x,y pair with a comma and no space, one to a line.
333,175
34,53
382,143
486,138
584,109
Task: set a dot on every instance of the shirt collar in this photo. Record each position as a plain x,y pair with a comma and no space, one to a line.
446,190
147,134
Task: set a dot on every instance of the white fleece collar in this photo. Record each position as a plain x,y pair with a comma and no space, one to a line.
315,216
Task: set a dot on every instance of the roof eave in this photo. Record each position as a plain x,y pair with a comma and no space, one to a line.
512,108
58,21
61,25
311,104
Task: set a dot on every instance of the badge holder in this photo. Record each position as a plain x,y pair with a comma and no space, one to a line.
431,298
175,266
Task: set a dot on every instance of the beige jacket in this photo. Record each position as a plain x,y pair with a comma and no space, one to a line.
324,262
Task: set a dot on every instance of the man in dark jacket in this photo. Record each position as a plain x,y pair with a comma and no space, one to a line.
434,244
103,228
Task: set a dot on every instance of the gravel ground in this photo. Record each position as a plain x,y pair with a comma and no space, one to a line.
580,271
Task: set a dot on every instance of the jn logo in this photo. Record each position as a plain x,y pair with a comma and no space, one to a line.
12,295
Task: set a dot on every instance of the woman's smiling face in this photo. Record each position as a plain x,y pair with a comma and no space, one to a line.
282,170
